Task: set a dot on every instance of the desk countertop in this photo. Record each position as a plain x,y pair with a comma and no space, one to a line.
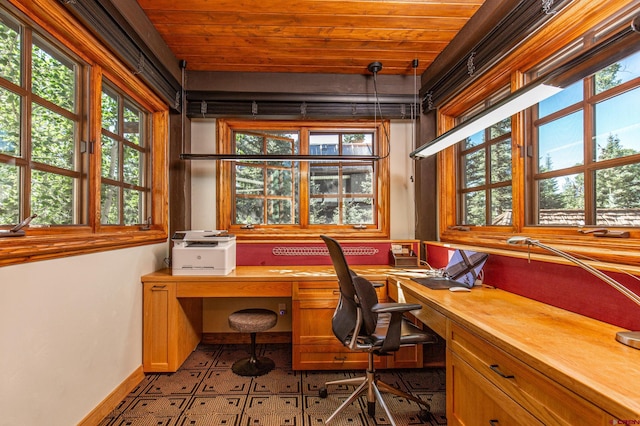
578,352
274,273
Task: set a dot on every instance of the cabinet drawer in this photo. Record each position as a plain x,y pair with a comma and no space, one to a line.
327,290
331,357
545,399
475,401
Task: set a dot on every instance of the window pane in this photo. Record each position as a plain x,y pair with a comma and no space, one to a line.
279,146
501,206
561,201
323,211
501,161
9,123
618,73
249,180
617,196
248,144
357,179
501,128
358,211
109,205
474,169
132,119
617,126
133,207
474,140
279,212
279,182
249,210
132,166
560,143
324,180
52,138
109,110
357,144
10,44
54,78
563,99
110,158
474,208
324,144
52,198
9,195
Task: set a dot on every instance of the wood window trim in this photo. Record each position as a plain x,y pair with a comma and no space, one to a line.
56,242
224,128
578,19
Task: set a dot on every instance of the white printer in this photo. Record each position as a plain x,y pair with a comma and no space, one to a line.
203,253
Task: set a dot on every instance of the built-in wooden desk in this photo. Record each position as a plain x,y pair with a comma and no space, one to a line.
172,311
511,360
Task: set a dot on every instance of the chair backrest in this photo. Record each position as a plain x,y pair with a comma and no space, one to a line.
346,320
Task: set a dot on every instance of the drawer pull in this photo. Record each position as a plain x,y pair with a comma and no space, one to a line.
158,287
494,422
336,292
340,358
496,369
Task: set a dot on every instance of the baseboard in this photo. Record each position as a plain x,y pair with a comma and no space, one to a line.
235,338
110,402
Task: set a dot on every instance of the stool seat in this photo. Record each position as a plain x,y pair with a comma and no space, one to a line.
253,321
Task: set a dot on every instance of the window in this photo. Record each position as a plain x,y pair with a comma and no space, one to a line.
299,198
587,146
573,165
52,102
124,189
484,164
41,163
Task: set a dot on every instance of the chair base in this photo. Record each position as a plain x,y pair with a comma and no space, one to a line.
372,387
253,366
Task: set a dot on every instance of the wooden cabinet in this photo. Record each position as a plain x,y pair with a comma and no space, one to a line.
172,327
314,345
486,385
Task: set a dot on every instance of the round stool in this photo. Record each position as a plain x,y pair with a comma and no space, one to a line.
252,321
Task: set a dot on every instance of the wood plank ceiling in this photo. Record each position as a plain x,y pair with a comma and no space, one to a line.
308,36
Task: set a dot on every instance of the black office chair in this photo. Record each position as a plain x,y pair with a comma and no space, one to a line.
362,324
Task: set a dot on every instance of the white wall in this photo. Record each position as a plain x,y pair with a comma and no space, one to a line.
203,178
70,333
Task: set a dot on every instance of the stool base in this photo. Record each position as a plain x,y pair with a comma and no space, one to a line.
253,366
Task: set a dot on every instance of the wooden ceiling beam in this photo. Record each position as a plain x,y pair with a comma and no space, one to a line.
303,19
462,8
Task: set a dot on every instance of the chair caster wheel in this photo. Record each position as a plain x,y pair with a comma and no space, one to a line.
322,392
424,415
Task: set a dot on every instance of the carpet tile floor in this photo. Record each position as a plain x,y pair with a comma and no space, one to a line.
204,391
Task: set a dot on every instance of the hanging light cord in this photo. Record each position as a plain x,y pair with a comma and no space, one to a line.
377,107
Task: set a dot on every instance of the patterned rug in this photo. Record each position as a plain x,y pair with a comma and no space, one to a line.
206,392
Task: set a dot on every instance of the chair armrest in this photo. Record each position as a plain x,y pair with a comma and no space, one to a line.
395,307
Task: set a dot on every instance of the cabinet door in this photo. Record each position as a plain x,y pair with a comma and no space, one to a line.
156,350
172,327
474,401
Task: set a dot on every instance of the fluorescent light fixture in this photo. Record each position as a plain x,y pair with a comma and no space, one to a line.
278,157
625,42
629,338
519,100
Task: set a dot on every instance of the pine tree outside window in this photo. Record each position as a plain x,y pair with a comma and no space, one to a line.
484,164
586,158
